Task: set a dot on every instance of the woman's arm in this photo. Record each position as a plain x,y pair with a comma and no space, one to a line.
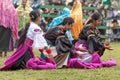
107,45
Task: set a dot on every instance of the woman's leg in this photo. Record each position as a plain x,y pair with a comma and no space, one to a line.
5,54
0,54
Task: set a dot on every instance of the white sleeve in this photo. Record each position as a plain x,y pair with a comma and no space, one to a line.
37,31
39,42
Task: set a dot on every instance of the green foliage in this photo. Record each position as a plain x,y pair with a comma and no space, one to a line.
110,73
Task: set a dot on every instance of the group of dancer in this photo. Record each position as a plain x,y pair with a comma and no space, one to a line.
83,50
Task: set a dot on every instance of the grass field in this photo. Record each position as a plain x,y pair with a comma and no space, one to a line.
111,73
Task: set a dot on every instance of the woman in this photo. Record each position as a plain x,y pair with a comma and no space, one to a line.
23,57
57,36
23,11
76,14
89,48
8,26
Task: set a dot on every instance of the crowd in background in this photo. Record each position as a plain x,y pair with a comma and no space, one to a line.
111,13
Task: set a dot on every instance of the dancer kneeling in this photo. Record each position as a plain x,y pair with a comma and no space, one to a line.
89,48
23,57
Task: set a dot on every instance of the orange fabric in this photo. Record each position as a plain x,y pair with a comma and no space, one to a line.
76,14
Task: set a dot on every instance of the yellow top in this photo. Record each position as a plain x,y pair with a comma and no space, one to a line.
76,14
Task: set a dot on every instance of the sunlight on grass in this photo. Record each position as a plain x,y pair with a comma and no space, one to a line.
111,73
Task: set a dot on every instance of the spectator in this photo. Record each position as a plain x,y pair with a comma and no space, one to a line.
8,26
36,4
105,4
23,11
16,3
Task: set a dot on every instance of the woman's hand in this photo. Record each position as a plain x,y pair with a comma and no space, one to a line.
80,55
83,50
107,46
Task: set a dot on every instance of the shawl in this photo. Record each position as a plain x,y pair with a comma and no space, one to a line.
58,20
76,14
9,17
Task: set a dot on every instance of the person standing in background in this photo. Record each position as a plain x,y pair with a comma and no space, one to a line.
16,3
23,11
105,4
36,4
76,14
8,26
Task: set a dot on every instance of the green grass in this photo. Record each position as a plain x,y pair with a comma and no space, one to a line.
111,73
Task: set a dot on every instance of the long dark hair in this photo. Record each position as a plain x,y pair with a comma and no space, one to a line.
95,16
23,35
33,15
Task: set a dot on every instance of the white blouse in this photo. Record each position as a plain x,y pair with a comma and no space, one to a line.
35,33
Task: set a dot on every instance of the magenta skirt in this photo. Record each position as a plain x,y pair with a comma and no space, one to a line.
96,63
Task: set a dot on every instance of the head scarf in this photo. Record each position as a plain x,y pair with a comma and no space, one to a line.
58,20
9,17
